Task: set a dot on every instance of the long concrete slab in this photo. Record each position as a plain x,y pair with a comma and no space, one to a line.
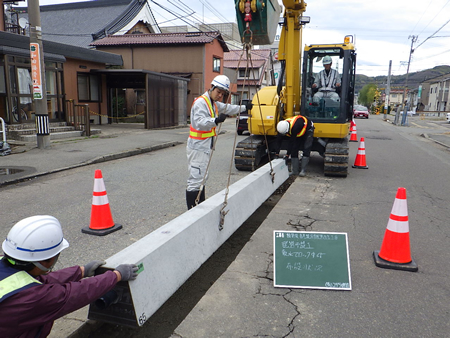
170,255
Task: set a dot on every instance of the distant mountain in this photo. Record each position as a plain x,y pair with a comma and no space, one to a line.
398,81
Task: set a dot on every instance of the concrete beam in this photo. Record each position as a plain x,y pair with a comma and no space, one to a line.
171,254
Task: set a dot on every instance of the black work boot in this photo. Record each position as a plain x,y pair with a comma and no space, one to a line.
202,196
191,196
295,166
305,161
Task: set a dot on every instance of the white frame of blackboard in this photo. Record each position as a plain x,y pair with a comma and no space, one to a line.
307,286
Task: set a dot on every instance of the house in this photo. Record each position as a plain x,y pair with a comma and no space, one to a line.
252,74
71,28
68,76
197,56
80,23
435,93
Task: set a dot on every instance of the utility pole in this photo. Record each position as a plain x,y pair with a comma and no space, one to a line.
387,91
405,111
38,75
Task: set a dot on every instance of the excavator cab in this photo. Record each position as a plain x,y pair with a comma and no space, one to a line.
323,106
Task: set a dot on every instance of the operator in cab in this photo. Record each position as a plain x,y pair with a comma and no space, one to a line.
207,112
31,296
327,81
300,132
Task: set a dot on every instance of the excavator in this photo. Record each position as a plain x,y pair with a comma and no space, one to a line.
257,22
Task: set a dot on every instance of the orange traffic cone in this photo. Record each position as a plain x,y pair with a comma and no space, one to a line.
353,136
101,219
360,160
395,250
352,124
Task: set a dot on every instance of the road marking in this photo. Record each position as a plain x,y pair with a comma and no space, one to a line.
419,126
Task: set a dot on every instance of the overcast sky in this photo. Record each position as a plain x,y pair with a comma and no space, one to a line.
381,28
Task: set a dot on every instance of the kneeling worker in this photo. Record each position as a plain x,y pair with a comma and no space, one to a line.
31,296
300,131
207,112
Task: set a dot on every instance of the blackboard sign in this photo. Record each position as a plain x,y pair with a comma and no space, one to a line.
313,260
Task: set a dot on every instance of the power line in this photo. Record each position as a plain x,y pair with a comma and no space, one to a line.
433,34
434,17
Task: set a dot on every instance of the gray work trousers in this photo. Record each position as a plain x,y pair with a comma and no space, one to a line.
197,164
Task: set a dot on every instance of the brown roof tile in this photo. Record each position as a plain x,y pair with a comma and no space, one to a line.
162,39
255,54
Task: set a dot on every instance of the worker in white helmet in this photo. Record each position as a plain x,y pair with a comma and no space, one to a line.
327,81
31,296
207,112
300,133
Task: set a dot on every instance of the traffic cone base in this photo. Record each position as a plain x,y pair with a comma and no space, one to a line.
381,263
360,160
101,218
101,232
395,250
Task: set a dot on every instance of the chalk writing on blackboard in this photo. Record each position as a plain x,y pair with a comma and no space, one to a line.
311,260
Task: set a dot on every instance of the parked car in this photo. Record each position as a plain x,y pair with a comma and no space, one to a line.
361,111
242,120
448,117
408,113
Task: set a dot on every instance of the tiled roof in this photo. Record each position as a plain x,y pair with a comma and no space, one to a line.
162,39
243,64
255,54
16,44
79,23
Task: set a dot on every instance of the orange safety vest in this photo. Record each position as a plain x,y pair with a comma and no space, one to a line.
202,134
292,121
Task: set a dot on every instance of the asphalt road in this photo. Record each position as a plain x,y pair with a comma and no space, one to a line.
146,191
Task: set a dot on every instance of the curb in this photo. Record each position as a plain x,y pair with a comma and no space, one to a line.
99,159
436,141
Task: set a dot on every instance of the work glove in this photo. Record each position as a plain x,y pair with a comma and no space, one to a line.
89,268
127,271
221,118
249,106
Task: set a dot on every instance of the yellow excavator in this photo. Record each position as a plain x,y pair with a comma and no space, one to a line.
257,22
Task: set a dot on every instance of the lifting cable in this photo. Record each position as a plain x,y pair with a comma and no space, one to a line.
247,46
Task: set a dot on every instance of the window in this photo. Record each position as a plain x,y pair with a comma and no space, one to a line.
88,87
216,64
243,73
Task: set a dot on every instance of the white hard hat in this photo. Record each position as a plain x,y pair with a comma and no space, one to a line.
327,60
283,127
35,239
221,82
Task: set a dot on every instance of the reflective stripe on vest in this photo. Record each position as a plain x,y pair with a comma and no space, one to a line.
14,283
202,134
292,121
328,81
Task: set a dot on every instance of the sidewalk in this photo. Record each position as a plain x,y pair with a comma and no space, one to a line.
115,141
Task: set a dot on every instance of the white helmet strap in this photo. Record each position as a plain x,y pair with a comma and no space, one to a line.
43,268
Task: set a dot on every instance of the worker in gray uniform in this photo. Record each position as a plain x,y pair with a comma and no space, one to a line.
207,112
327,81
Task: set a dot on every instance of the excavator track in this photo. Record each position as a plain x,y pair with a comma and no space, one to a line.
336,158
250,153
